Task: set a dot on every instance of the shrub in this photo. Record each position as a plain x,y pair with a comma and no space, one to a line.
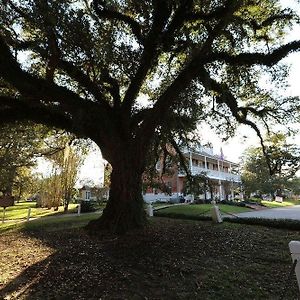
87,206
182,216
275,223
254,200
234,203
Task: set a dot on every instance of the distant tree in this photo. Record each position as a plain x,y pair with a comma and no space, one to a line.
86,67
51,190
20,145
22,183
273,176
72,161
65,167
294,186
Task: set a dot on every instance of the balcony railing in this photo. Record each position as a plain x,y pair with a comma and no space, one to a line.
214,174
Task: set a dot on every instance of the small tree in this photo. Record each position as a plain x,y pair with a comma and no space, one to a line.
273,175
196,185
66,164
72,160
51,191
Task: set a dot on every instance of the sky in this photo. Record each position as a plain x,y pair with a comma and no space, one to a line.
92,169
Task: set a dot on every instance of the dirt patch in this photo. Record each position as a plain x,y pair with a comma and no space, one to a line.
170,259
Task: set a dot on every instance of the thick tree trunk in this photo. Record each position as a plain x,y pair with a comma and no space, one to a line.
125,207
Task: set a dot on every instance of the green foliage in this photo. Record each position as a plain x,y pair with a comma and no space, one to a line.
20,145
20,211
196,184
69,162
88,206
273,171
275,223
294,185
196,210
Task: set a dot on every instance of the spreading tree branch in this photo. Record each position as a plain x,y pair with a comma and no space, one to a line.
113,88
103,12
247,59
185,77
36,87
13,109
240,113
150,53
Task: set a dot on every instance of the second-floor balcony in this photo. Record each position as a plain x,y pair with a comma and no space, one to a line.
214,174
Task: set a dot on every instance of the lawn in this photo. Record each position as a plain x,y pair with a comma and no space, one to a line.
51,223
274,204
169,259
20,211
201,209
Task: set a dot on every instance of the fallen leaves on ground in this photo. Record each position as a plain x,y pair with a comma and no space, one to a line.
169,259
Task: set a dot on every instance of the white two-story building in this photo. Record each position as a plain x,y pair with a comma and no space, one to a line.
223,177
222,174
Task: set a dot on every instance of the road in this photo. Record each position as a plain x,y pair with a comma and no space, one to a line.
287,212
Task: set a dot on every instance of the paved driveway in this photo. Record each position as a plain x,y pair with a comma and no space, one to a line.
287,212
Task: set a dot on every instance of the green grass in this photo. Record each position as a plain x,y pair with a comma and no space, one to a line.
274,204
20,211
201,209
54,223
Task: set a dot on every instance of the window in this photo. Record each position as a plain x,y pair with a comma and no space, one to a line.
87,195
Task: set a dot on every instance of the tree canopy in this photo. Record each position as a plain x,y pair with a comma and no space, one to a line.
120,72
284,162
20,145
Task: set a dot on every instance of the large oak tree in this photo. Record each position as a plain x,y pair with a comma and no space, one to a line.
115,71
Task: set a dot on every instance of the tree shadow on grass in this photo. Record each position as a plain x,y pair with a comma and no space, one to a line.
169,260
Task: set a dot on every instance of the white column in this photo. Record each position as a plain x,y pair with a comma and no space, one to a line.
191,163
177,180
220,185
205,162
